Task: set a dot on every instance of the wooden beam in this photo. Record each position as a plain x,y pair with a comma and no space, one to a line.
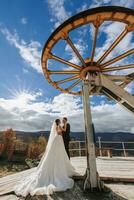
114,91
117,77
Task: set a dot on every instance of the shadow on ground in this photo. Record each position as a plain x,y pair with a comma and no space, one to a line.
76,193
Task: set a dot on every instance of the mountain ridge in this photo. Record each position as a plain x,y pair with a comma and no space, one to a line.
105,136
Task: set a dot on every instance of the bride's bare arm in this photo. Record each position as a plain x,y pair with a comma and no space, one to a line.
58,130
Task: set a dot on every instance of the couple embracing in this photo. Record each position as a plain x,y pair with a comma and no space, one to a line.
54,172
65,132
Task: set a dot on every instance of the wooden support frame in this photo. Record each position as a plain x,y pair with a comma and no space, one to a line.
91,174
116,92
102,81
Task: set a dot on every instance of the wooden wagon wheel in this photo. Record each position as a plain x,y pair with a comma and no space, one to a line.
78,72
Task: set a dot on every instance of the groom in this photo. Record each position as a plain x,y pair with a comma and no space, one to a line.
66,135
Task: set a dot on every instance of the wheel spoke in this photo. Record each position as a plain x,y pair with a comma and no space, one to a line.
67,79
127,53
74,84
94,43
113,45
63,72
117,68
64,61
69,41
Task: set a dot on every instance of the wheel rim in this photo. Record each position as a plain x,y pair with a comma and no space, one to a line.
96,17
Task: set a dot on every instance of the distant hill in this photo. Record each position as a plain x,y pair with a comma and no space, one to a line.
116,136
107,136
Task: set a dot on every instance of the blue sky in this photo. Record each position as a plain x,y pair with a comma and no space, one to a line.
27,101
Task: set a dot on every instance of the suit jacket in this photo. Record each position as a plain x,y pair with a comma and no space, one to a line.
66,134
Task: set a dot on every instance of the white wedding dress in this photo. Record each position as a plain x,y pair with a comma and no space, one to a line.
53,173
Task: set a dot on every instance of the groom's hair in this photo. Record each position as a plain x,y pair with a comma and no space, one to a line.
65,118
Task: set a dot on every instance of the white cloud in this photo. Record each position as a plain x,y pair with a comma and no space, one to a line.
65,104
27,112
111,118
29,52
23,20
124,3
98,3
58,11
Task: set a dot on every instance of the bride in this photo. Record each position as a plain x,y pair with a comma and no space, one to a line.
54,171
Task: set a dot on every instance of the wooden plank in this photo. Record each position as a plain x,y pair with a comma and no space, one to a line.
109,169
7,183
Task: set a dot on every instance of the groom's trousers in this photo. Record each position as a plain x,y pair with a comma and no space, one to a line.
66,143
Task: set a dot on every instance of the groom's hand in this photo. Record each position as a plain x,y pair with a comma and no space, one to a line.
64,124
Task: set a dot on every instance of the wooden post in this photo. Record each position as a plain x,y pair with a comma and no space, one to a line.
100,150
124,150
79,149
91,157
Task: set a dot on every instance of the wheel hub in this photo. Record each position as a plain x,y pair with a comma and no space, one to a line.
91,67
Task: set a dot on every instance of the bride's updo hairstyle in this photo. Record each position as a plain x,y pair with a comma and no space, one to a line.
57,121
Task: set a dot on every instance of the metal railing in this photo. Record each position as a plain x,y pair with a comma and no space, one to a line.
77,147
111,148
